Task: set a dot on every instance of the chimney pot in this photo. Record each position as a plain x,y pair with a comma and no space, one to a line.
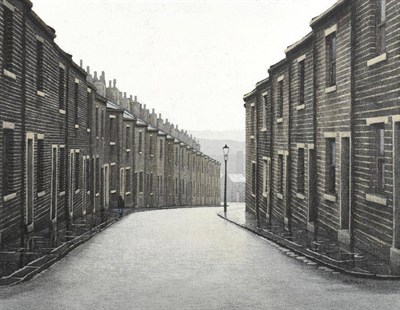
130,97
124,95
159,115
109,84
135,98
88,70
95,75
153,111
115,83
81,63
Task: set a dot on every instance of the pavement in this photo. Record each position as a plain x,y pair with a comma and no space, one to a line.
319,249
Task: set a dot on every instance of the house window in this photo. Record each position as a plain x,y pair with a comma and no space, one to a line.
301,67
281,175
40,165
97,122
280,99
141,182
176,156
253,178
252,120
8,43
331,59
182,158
151,182
161,149
77,166
379,158
102,123
140,142
265,103
128,181
76,102
61,88
97,175
113,177
161,185
300,171
8,161
151,146
62,176
127,137
39,66
112,128
176,186
89,107
266,178
381,26
331,165
88,176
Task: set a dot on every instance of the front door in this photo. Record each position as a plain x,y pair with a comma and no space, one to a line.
54,178
29,181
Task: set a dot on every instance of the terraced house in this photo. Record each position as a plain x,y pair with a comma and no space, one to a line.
322,131
73,146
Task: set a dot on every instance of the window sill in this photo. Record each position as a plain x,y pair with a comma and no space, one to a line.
112,143
97,195
141,193
41,194
113,191
376,60
263,129
376,199
9,74
151,194
140,153
279,196
9,197
151,155
300,196
40,93
127,193
77,191
88,130
97,138
252,195
252,137
329,197
265,195
61,194
62,111
279,120
128,150
300,107
330,89
76,126
88,193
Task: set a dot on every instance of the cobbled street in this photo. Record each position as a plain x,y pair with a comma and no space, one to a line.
191,259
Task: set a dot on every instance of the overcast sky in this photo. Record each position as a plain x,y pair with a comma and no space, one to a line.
190,60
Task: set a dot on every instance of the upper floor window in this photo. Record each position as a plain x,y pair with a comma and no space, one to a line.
253,178
62,168
280,99
39,65
97,122
161,148
76,101
252,120
140,141
128,137
265,104
77,170
281,174
151,147
381,26
331,59
61,88
102,124
8,42
301,66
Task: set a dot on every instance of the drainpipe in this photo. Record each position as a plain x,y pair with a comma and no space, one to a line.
352,79
271,148
67,152
288,158
257,161
26,9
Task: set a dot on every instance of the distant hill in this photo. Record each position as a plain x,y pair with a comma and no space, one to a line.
213,148
236,135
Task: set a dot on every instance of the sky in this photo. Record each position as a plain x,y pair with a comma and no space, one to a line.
192,61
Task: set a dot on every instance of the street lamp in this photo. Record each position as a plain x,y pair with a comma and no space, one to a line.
225,150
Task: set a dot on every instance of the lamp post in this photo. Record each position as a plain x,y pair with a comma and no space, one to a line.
225,150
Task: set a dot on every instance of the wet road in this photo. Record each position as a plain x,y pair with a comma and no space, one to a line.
190,259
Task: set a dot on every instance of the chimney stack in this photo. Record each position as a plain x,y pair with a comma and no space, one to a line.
88,70
81,63
115,83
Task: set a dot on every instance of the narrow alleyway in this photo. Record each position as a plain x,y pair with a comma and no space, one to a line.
191,259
